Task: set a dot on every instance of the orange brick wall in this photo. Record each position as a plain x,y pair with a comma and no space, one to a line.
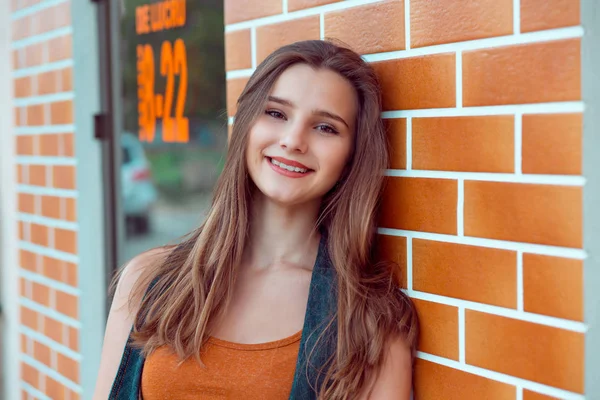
46,203
483,208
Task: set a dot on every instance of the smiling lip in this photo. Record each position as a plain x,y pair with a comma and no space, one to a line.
290,163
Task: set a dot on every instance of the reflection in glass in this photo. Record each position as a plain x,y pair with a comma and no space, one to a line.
174,132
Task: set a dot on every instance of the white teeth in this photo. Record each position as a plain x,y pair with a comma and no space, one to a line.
289,168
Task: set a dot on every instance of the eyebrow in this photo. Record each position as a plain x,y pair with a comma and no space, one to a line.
322,113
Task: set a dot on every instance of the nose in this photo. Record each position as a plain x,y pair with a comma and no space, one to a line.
294,138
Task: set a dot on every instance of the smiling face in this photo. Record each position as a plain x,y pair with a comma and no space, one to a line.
299,146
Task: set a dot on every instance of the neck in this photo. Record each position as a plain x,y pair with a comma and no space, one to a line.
282,235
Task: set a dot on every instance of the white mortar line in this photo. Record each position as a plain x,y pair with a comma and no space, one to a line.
57,285
407,24
46,160
46,191
51,373
48,312
479,44
43,37
409,155
33,393
38,69
252,50
461,335
35,8
409,263
42,99
460,208
459,82
546,250
539,108
46,251
241,73
553,322
342,5
44,129
322,26
284,6
49,222
556,180
500,377
516,17
518,138
520,289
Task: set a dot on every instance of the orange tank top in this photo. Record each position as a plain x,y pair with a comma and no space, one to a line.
233,371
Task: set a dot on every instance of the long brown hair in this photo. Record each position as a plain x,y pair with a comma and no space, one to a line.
193,284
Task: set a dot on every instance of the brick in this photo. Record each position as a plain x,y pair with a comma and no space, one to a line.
480,274
418,82
41,353
393,248
53,329
66,79
243,10
54,389
529,395
72,273
35,115
21,28
29,318
24,341
361,27
238,50
51,207
552,144
39,234
61,112
68,367
234,90
67,304
548,14
73,339
23,226
22,230
26,203
27,260
60,48
466,144
24,394
435,382
441,21
22,172
65,240
553,286
23,287
534,352
53,268
37,175
17,116
24,145
40,293
270,37
295,5
49,145
396,135
30,375
529,73
73,395
22,87
17,60
34,54
71,209
420,204
47,82
542,214
63,176
68,144
438,333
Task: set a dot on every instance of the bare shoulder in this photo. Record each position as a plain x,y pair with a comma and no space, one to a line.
121,317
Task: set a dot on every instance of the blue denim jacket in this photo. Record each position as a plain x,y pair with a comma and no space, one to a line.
311,364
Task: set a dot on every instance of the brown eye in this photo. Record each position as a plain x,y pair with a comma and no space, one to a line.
275,114
327,129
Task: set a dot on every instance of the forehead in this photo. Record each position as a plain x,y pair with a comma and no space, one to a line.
312,89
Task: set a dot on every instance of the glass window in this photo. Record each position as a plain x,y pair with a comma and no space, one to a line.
174,132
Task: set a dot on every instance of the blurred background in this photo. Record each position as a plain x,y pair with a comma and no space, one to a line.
114,121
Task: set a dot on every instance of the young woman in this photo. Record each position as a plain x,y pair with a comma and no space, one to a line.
277,295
